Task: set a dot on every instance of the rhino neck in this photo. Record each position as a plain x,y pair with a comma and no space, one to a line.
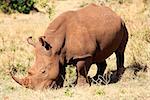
56,33
57,38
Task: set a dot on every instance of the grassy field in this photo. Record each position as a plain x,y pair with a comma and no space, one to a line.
15,52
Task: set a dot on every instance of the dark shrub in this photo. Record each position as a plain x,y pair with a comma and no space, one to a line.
22,6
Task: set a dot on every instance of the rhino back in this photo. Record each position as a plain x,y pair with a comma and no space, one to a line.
93,29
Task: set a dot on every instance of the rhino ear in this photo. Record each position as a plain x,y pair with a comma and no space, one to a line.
44,43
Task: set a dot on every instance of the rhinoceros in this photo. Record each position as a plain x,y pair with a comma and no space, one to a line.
79,37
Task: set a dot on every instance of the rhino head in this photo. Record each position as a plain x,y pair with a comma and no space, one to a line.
45,71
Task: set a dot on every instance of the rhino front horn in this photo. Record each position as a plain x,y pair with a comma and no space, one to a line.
19,81
22,82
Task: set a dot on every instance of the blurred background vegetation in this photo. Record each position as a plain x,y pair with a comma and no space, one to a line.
26,6
11,6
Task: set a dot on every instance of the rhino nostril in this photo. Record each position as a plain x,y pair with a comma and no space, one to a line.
43,71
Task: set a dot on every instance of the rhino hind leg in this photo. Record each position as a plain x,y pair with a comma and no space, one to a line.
120,63
100,71
120,55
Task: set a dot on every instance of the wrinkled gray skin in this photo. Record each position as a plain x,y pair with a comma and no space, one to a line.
83,37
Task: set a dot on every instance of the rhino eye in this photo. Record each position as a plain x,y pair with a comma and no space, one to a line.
43,71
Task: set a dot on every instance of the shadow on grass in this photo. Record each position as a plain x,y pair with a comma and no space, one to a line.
110,77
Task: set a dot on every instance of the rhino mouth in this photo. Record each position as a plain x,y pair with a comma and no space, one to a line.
53,85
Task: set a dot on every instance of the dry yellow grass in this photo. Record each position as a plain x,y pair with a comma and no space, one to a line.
14,51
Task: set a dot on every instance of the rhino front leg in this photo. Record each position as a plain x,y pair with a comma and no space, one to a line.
82,71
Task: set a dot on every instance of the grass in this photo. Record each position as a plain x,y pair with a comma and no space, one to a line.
14,51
